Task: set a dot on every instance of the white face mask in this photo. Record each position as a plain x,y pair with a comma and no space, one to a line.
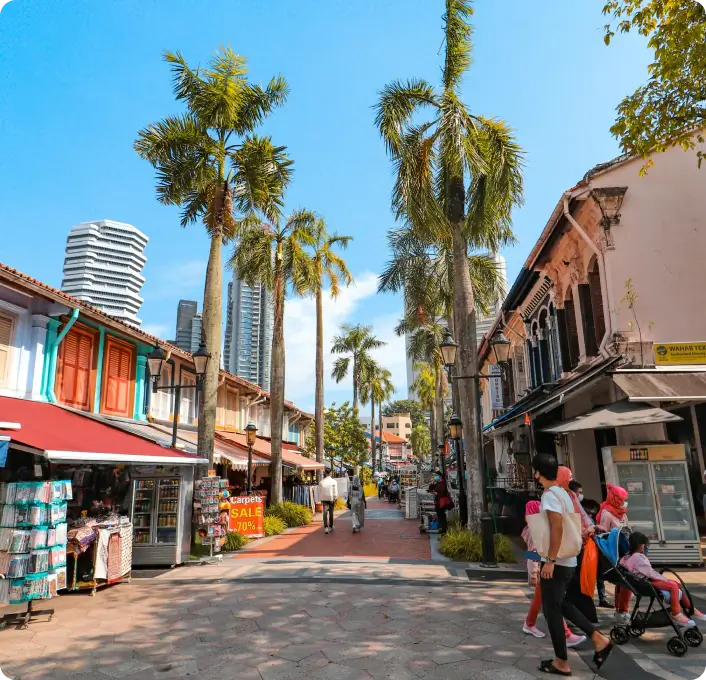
580,497
625,505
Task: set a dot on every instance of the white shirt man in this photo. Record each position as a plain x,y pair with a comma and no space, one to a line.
328,493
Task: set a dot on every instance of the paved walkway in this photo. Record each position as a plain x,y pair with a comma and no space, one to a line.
386,534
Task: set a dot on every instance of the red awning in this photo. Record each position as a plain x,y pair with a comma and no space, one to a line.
263,447
64,435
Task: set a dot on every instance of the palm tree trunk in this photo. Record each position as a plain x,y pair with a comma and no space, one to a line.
355,383
211,335
466,364
277,380
380,430
319,406
372,430
432,432
439,404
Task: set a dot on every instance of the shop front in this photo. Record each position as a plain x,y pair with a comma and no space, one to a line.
131,498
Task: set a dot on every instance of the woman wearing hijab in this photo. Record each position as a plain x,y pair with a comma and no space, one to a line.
614,515
442,500
582,602
357,504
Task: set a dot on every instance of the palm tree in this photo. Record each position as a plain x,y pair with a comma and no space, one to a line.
275,254
425,387
421,442
325,265
459,176
356,341
209,163
376,387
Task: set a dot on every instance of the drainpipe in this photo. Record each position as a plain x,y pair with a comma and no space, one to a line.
604,286
51,397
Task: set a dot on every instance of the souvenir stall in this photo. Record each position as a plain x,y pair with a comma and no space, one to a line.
211,511
33,536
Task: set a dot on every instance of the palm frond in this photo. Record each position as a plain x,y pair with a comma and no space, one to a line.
396,105
458,41
261,173
252,258
257,103
340,368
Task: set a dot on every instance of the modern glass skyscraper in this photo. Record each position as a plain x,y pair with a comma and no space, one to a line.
103,265
248,339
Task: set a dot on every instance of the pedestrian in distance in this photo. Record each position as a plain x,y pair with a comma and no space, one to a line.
328,493
357,504
558,513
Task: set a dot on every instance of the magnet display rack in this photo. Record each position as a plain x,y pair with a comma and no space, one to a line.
33,535
208,495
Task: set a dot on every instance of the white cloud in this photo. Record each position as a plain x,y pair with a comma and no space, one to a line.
300,340
177,280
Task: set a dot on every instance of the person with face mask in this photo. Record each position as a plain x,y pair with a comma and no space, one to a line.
613,515
442,500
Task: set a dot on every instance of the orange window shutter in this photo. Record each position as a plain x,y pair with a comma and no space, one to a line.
75,370
118,367
69,364
5,339
231,409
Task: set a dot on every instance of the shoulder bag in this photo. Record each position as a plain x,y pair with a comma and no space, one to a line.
571,541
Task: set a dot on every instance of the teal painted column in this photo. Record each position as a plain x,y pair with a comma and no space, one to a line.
99,372
140,387
52,332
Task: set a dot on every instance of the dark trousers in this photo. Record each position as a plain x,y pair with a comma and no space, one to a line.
328,514
600,586
556,608
443,524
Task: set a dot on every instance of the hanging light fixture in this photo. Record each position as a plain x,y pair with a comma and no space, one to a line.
501,347
448,349
201,357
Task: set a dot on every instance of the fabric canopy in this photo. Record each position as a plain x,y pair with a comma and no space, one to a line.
620,414
662,385
229,454
61,435
263,448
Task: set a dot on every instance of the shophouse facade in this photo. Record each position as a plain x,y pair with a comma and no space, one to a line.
605,350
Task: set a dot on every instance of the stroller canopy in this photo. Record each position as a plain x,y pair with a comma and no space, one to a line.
612,545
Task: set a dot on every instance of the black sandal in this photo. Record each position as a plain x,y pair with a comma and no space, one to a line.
549,667
599,658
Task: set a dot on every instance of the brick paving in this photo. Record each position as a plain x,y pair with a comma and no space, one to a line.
386,534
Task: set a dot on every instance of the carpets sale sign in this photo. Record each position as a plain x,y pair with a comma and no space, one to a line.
247,516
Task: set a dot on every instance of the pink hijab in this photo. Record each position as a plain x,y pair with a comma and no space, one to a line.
563,478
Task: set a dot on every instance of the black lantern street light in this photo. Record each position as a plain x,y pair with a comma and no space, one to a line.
155,361
501,349
250,435
442,459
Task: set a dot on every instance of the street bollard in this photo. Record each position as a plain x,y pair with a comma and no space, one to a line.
487,537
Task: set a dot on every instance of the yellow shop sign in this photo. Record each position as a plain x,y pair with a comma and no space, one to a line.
675,353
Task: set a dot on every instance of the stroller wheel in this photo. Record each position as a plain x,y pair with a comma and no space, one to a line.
620,635
693,637
636,630
676,646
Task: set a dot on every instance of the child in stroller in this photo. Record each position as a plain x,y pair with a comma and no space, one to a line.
624,563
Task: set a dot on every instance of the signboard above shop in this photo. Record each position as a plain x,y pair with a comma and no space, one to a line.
680,353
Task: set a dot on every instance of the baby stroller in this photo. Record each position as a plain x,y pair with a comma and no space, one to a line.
611,547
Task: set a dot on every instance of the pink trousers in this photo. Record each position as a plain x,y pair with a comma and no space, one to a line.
672,587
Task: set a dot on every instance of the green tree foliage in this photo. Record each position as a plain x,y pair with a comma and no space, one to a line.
421,442
344,432
411,406
670,107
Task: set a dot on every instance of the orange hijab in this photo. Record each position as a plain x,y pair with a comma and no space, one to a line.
563,478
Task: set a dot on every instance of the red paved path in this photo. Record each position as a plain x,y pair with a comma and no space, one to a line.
391,538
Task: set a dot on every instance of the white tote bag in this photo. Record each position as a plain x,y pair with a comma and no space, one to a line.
571,541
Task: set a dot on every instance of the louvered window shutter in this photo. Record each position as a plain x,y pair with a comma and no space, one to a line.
118,375
572,334
6,325
594,283
74,374
520,372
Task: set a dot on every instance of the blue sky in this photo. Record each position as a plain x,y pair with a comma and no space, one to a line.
78,79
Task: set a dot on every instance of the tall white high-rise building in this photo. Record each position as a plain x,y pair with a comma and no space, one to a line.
103,266
248,337
483,324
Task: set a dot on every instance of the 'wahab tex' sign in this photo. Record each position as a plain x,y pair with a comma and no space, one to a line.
680,353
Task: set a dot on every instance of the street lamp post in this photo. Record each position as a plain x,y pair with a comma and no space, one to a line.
155,360
250,434
501,349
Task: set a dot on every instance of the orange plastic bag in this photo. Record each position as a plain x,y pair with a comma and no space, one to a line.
589,568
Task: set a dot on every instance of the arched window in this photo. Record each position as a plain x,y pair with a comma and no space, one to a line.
544,360
594,286
570,331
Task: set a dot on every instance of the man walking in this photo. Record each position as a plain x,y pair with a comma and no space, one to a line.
557,573
328,493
